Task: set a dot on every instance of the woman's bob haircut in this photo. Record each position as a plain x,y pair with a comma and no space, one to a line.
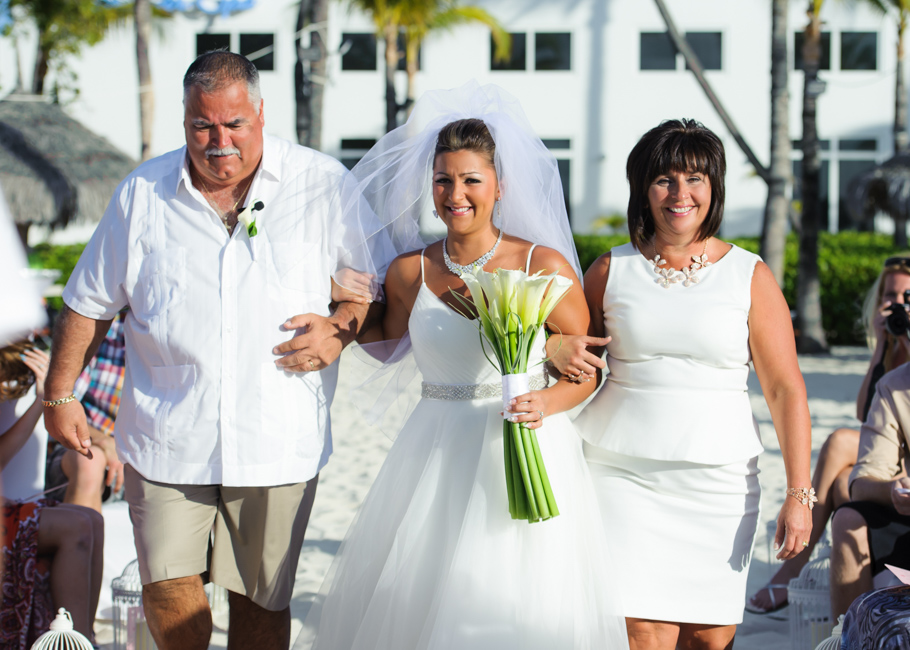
674,146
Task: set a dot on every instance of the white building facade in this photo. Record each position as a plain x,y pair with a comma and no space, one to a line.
592,75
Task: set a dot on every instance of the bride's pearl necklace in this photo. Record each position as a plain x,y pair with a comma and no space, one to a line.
688,276
458,269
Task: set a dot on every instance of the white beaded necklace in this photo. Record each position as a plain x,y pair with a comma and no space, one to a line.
458,269
670,275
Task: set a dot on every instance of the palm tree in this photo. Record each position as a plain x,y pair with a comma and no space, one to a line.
63,27
901,12
777,208
424,16
309,72
810,336
415,18
142,16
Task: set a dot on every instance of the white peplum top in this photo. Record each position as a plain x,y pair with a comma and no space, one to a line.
678,364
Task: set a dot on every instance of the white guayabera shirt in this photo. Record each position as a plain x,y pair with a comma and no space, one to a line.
203,402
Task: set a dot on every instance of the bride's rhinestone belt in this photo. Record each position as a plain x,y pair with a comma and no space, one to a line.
457,392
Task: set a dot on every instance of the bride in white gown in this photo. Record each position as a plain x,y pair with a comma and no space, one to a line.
433,559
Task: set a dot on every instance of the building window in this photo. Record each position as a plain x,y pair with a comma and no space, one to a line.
358,51
840,164
560,148
657,51
260,49
553,51
707,47
353,149
517,57
799,38
209,42
858,51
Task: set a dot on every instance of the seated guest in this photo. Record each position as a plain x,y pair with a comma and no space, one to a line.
873,529
90,481
838,455
52,553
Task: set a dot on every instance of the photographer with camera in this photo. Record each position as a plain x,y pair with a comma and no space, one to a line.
870,530
886,323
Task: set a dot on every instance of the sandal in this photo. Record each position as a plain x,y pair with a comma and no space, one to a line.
775,605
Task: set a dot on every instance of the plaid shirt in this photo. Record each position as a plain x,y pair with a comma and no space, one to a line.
99,385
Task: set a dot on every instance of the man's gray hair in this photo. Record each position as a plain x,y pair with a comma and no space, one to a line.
218,69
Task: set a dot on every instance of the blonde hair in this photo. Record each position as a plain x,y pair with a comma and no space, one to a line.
873,301
15,377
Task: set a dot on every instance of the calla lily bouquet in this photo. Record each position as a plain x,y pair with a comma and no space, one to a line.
512,308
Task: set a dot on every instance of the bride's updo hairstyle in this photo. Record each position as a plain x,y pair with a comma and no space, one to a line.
674,146
466,135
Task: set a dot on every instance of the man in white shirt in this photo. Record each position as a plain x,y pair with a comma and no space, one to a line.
224,415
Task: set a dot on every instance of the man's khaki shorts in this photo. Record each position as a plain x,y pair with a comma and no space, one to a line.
248,539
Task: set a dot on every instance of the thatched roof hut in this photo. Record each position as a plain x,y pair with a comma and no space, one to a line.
53,170
884,188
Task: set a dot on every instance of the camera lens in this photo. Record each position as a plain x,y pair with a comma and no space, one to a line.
898,321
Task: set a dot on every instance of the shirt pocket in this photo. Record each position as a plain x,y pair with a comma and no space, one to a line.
161,283
170,406
298,265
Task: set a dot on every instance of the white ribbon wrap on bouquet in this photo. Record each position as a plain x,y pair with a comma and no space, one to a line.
512,387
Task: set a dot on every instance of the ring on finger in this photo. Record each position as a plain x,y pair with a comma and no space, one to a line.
541,415
312,365
805,544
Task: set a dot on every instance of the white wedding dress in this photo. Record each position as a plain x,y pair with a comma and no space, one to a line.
433,559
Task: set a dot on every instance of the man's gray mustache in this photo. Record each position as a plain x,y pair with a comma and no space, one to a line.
223,152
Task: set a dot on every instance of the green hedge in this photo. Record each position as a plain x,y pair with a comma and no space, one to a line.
848,264
62,258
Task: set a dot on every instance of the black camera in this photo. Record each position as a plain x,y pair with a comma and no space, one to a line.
898,321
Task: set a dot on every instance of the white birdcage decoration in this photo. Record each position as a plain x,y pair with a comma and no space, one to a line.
62,636
833,641
809,596
131,631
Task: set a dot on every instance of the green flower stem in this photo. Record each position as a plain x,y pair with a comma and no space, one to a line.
544,479
507,454
521,497
533,512
534,461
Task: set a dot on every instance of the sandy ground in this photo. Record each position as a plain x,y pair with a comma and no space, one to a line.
832,382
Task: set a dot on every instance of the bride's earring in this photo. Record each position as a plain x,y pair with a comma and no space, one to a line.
499,210
435,214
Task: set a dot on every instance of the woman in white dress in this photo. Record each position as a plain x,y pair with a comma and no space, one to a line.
670,439
433,559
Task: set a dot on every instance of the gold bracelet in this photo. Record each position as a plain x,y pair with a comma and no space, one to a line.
805,496
58,402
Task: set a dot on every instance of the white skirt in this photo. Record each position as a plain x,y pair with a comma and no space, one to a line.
433,560
682,533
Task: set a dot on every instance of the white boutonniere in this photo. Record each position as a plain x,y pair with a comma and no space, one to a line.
247,218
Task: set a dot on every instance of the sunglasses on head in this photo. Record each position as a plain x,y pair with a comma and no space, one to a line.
897,261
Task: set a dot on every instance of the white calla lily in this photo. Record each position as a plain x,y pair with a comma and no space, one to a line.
247,218
558,289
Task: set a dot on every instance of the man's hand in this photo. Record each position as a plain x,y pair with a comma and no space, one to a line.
900,495
67,425
315,347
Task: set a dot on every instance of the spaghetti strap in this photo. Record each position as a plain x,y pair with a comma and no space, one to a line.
528,262
422,278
